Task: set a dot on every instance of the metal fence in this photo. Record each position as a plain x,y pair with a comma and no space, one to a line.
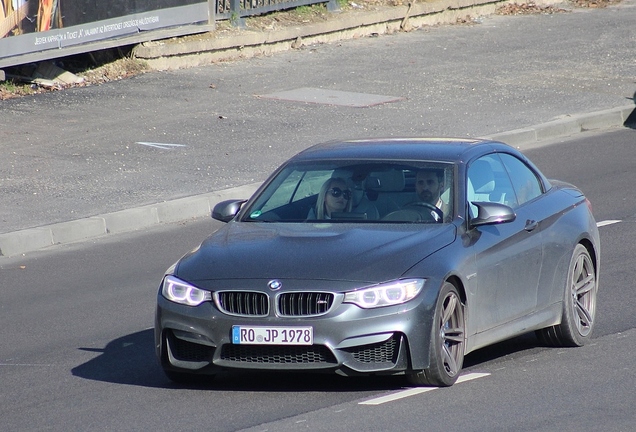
236,10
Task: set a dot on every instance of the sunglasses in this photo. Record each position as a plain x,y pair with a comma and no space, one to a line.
336,192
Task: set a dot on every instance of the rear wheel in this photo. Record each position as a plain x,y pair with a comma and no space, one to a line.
446,343
579,304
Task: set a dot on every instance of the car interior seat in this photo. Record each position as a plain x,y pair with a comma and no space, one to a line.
379,187
481,184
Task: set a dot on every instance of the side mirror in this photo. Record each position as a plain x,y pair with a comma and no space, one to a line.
226,210
490,213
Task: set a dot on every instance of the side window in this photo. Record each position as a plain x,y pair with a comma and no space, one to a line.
527,185
488,182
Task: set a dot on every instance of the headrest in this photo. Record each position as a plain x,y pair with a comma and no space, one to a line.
386,181
481,177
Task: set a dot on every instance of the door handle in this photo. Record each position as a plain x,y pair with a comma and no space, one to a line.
531,225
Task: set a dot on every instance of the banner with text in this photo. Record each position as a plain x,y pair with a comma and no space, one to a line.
28,26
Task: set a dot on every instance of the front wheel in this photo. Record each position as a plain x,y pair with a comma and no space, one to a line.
446,342
579,304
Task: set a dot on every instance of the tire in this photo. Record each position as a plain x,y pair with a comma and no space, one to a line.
579,304
447,341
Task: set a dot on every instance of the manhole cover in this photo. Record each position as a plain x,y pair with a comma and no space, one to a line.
331,97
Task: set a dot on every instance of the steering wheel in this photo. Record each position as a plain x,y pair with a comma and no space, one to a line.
428,211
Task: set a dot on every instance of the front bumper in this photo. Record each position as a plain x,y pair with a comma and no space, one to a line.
347,340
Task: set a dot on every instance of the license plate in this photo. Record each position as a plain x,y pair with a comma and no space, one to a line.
245,335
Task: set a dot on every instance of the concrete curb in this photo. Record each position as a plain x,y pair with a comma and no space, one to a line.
134,219
565,126
183,53
199,206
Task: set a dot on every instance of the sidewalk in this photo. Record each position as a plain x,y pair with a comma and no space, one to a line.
71,167
374,18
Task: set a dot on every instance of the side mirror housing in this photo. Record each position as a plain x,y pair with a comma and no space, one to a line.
225,211
490,213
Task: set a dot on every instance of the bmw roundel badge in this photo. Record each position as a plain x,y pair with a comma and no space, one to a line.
274,285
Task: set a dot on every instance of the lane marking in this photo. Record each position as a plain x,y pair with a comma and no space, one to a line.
162,146
607,222
396,396
472,376
415,391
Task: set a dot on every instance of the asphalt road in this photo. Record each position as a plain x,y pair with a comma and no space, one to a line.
79,153
76,349
75,341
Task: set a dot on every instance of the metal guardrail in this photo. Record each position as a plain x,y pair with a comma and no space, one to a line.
236,10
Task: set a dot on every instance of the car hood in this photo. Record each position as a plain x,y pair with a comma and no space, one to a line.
322,251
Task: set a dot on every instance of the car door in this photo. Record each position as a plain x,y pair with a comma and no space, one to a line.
537,208
508,256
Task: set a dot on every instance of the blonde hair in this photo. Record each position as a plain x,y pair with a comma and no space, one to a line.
320,202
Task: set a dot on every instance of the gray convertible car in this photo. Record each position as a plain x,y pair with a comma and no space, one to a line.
384,256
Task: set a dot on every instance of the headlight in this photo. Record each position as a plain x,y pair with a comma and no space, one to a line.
181,292
388,294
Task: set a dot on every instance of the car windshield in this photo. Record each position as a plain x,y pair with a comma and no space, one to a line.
360,192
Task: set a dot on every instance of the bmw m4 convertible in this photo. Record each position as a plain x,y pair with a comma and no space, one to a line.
383,256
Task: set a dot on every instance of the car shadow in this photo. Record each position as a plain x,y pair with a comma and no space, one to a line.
131,360
522,345
126,360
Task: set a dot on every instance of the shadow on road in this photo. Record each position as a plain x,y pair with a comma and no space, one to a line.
127,360
631,120
131,360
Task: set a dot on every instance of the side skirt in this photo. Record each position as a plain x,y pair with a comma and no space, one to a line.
525,324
